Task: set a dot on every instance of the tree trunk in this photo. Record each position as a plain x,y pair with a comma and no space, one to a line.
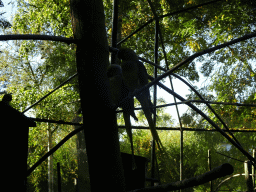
101,135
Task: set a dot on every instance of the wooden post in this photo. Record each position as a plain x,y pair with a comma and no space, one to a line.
248,177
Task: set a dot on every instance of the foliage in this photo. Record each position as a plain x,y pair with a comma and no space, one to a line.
29,69
56,107
35,68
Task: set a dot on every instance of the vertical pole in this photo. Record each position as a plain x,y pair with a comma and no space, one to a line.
59,177
209,165
253,170
248,177
181,154
181,135
153,156
181,130
114,29
50,160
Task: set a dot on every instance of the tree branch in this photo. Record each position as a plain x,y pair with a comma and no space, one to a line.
217,172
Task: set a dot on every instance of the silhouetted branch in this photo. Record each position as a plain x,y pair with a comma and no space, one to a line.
192,57
191,129
36,37
237,145
217,172
54,121
206,102
53,150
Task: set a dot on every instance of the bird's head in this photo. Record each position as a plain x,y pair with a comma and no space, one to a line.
114,70
127,54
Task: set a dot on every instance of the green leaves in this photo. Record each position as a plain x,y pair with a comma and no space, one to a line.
32,68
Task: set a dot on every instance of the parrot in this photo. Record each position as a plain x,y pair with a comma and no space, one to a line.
135,77
119,92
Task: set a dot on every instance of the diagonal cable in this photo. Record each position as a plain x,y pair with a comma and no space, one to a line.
62,84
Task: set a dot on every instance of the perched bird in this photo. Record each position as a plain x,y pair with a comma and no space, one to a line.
135,77
7,98
119,92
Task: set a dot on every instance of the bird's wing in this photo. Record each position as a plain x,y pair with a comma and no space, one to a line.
130,74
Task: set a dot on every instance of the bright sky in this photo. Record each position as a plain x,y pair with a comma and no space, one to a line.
179,88
8,9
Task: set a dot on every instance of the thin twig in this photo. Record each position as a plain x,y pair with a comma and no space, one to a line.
229,157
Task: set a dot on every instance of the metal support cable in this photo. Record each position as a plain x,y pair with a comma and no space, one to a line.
190,86
114,30
193,107
162,16
239,147
54,121
42,159
155,100
191,129
189,59
153,155
62,84
229,156
176,106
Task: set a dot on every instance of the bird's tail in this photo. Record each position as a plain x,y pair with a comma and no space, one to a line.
128,128
146,107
